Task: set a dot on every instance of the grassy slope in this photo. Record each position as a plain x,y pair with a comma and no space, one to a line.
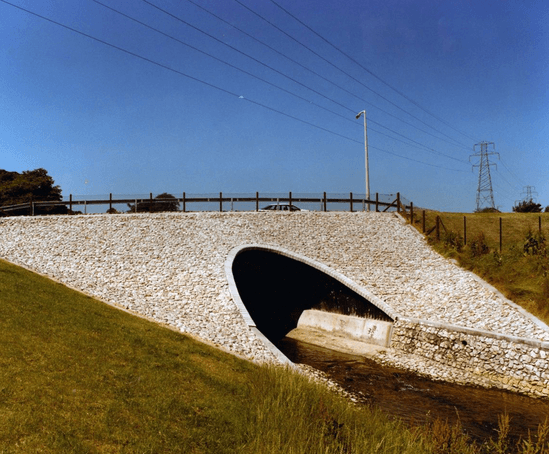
79,376
521,277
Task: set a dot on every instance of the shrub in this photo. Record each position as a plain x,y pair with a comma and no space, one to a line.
453,240
527,206
534,243
478,245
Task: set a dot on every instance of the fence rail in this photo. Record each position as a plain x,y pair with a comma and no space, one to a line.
353,202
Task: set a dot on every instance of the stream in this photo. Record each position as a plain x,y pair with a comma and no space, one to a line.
417,400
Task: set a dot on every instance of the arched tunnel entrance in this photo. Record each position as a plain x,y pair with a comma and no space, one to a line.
276,289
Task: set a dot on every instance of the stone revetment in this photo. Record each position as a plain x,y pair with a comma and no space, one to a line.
175,268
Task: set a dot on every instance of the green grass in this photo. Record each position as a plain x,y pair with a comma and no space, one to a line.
78,376
521,277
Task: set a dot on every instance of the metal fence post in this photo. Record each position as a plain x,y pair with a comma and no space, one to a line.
500,235
351,201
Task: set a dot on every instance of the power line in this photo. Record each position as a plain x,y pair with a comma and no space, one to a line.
275,70
148,60
263,43
369,71
341,70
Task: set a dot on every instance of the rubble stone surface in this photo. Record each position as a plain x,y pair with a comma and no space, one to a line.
170,267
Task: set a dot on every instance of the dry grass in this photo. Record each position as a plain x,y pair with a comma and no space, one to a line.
520,275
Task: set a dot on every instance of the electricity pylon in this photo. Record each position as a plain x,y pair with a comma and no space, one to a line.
529,191
485,194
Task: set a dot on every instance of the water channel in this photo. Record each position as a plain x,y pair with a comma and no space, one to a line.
417,400
276,289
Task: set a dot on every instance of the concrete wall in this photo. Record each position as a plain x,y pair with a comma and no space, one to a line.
375,332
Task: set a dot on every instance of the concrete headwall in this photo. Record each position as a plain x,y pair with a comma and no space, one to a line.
375,332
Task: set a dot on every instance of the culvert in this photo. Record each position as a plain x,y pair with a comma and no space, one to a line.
277,289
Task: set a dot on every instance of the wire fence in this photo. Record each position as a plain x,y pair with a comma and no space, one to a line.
221,202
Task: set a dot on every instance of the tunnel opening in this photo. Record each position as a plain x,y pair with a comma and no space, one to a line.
276,290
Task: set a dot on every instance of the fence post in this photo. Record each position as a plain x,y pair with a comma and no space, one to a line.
184,203
257,201
351,201
31,207
150,202
324,201
70,202
438,228
412,213
377,202
423,222
500,235
398,202
134,207
220,202
465,230
110,202
290,200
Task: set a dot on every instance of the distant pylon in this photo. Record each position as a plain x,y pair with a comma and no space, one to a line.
529,191
485,194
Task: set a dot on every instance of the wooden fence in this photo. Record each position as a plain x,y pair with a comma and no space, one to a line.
439,227
352,202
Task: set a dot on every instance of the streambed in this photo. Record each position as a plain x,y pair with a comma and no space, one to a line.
417,400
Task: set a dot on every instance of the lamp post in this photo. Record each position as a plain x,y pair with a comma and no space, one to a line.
358,115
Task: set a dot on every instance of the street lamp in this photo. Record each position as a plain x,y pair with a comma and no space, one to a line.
358,115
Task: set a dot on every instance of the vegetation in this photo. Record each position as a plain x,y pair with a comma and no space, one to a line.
519,270
17,188
77,375
527,206
162,202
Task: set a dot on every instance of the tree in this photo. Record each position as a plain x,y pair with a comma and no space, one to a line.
162,202
527,206
30,185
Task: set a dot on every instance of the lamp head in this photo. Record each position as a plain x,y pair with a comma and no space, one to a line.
358,115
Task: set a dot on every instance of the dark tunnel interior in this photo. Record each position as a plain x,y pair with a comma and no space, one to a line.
276,290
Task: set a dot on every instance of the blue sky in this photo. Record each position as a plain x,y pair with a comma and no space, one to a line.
166,115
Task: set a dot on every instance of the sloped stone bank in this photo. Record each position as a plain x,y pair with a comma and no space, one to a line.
514,364
170,267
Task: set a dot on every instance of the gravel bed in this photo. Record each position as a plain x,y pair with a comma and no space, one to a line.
170,267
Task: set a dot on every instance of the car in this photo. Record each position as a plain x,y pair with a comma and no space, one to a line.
281,207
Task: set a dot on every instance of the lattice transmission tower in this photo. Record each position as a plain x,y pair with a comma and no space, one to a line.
529,191
485,194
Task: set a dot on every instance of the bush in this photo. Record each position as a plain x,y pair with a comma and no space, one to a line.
534,243
478,245
453,240
527,206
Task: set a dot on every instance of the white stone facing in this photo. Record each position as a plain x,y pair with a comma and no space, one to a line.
170,267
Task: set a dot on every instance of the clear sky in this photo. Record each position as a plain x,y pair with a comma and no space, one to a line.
239,96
